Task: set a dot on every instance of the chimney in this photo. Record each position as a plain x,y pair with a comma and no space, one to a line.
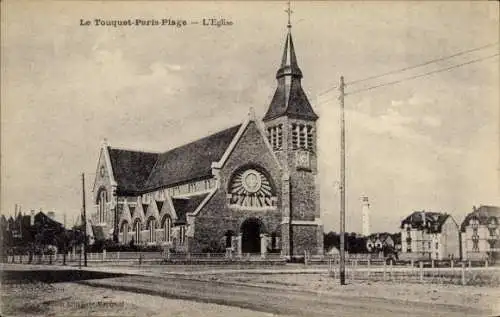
32,218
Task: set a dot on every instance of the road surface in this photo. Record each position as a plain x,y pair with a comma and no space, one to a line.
277,301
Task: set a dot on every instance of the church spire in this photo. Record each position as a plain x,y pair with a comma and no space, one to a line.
289,99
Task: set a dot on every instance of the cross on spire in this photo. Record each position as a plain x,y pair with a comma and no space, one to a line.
289,11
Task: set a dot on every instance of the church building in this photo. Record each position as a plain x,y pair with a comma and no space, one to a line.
252,187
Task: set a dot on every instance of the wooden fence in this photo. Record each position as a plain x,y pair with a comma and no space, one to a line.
460,273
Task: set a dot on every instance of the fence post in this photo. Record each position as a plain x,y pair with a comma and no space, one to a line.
452,263
463,273
421,271
118,255
391,270
385,267
432,263
104,254
486,263
470,263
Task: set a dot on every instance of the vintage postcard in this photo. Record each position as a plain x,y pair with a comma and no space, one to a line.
222,158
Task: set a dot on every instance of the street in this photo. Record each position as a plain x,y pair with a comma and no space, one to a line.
282,302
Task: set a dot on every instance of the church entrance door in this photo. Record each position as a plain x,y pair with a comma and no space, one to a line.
250,235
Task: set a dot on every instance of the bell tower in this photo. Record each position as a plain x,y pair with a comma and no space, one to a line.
290,123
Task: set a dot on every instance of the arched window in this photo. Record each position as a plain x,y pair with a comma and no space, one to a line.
152,229
102,202
137,228
125,229
167,226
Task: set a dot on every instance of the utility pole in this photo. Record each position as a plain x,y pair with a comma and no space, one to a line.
342,182
115,217
84,216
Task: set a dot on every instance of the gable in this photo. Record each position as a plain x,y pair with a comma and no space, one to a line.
167,208
482,214
252,148
103,176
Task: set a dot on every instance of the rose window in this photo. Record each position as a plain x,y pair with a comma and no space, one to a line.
251,188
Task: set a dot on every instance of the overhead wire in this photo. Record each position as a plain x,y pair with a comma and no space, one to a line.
422,75
400,70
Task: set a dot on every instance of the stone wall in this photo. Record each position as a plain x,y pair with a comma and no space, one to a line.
305,238
216,218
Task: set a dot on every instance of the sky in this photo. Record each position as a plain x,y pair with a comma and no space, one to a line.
431,143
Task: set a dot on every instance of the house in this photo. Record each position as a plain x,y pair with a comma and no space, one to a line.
378,242
429,235
35,228
251,187
480,231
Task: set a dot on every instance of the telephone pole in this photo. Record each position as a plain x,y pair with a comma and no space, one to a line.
342,182
84,216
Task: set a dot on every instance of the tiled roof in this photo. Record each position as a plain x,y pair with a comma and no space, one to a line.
131,168
186,205
483,214
137,172
190,161
433,221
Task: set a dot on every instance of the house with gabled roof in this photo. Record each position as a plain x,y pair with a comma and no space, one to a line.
480,233
251,187
429,235
377,242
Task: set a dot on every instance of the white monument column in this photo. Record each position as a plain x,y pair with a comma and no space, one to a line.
366,216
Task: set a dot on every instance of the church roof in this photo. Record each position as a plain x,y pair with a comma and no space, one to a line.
137,171
190,161
131,169
482,214
289,99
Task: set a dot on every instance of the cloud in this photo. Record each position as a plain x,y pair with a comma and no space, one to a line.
431,121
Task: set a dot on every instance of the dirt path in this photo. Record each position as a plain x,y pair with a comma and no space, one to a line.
70,299
279,301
